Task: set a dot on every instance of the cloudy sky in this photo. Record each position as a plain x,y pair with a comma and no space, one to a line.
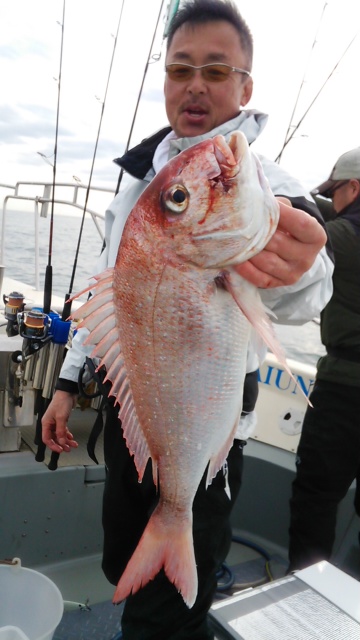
297,45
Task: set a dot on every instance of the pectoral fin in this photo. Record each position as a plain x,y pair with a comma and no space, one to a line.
248,299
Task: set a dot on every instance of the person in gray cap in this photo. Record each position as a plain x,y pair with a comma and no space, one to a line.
328,456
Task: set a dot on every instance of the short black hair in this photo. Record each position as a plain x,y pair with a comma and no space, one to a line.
197,12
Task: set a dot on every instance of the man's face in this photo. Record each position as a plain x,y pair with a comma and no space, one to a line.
197,106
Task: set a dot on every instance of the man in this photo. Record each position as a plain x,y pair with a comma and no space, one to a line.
328,457
294,272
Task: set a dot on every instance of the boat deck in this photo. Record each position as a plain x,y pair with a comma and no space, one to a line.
87,595
102,621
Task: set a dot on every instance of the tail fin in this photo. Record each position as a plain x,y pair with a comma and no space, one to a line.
167,545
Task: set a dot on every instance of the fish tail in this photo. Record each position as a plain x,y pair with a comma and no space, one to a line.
163,545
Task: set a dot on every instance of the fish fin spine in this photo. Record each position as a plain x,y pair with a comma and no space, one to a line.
98,316
218,461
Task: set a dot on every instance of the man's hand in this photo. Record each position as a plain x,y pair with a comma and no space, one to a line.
290,252
55,433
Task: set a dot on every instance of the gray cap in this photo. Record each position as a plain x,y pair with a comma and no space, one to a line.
346,167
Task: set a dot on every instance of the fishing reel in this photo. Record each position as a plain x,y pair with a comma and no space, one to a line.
14,304
38,329
34,329
34,369
32,325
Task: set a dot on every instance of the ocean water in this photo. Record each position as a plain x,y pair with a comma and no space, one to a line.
300,343
19,253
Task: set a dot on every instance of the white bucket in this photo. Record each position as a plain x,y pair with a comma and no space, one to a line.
29,603
12,633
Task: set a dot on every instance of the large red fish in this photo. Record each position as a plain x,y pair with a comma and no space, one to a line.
171,323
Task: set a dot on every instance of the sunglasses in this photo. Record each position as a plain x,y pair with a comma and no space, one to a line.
219,72
331,191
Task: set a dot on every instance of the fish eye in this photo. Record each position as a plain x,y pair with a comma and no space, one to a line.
176,198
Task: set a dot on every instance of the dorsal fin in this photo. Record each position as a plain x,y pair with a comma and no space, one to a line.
98,316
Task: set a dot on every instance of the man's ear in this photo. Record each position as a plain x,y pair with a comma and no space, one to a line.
247,93
355,186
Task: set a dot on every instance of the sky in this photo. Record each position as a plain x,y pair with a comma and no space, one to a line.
297,46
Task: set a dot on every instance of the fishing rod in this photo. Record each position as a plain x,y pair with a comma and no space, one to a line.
171,12
315,98
49,359
67,303
48,271
301,84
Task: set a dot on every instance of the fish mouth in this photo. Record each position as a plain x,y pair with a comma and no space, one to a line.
232,158
229,155
221,235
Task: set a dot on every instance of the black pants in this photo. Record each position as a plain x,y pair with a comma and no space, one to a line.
157,612
328,460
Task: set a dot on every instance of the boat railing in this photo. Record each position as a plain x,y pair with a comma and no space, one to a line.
41,194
